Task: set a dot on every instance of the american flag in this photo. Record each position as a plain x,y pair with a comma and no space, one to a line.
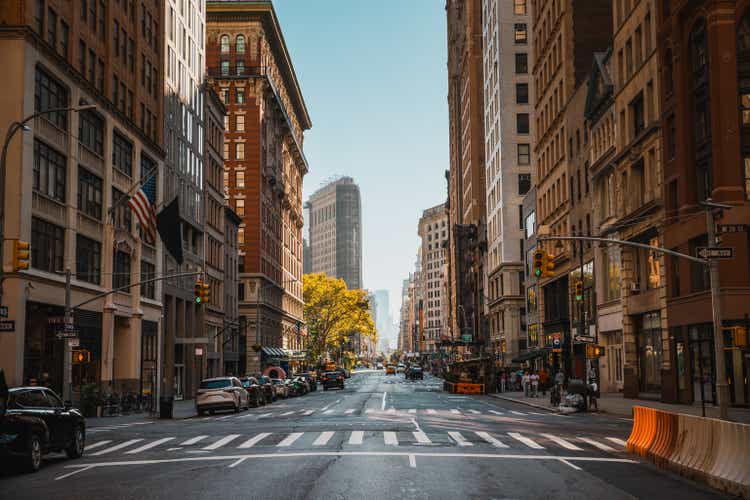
142,203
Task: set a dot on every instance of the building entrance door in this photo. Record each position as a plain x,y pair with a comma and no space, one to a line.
702,364
179,381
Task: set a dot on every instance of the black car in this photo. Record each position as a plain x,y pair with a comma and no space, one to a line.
332,379
268,390
35,421
414,373
310,380
256,394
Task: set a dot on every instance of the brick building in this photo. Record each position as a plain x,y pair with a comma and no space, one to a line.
433,231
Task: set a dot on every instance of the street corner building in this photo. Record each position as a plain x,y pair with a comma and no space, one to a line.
90,73
250,68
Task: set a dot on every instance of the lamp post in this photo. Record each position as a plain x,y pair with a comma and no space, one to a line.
12,129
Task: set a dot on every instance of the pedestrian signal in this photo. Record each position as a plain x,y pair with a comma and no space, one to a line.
81,356
579,291
594,351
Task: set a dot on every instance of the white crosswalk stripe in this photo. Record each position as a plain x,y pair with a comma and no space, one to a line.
517,413
562,442
254,440
148,446
413,410
193,440
287,413
323,438
97,444
455,411
290,439
459,439
308,412
430,412
264,415
369,410
528,442
597,444
327,412
349,411
390,438
221,442
356,437
391,410
475,412
496,412
493,441
618,441
116,447
421,437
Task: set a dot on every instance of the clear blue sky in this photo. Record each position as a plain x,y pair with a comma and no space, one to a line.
374,77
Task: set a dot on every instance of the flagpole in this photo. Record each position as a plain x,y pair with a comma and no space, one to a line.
151,173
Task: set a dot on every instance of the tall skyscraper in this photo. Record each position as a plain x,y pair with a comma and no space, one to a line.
336,231
433,230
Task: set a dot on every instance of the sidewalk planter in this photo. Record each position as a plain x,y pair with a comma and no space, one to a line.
705,449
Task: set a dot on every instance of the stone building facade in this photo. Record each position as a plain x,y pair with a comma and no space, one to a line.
433,230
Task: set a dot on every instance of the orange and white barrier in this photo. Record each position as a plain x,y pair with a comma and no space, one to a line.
706,449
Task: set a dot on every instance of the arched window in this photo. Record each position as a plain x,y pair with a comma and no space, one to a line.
701,107
224,44
240,45
743,84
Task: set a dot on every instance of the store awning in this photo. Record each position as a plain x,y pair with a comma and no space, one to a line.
529,355
274,352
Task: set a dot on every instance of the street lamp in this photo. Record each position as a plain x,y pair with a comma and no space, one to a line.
12,129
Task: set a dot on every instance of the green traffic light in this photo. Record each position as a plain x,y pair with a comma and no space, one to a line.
197,300
538,272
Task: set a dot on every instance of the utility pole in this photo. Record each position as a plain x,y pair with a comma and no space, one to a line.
67,361
722,388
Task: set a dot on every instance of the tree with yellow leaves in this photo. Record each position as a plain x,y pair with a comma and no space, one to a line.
333,313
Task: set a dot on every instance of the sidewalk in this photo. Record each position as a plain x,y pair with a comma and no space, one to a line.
615,404
182,409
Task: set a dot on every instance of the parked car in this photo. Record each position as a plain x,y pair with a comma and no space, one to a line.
268,390
310,378
414,373
221,393
280,388
305,384
390,370
255,392
332,379
379,366
400,368
34,421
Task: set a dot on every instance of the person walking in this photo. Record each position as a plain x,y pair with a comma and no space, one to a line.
543,380
534,378
513,377
526,382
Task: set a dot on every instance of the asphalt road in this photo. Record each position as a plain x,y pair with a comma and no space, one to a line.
382,437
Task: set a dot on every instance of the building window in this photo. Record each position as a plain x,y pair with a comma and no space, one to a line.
239,179
121,270
522,93
520,33
699,273
239,207
50,94
52,28
239,96
88,260
122,214
524,154
39,17
91,131
701,104
49,172
89,193
241,236
524,183
522,63
239,151
47,246
226,150
522,123
224,44
224,93
637,115
224,68
240,44
122,154
240,68
743,83
519,7
148,272
64,39
239,122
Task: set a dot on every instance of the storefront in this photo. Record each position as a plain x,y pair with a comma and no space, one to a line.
649,347
149,355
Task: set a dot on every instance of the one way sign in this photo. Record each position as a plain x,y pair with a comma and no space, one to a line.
716,252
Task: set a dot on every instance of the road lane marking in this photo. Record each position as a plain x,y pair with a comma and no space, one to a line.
536,413
455,411
459,439
237,462
475,412
390,438
413,410
74,472
528,442
349,411
369,410
517,413
264,415
221,442
356,437
493,441
116,447
382,406
391,410
193,440
287,413
596,444
562,442
412,461
327,412
421,437
254,440
96,445
308,412
430,412
323,438
148,446
618,441
496,412
574,467
290,439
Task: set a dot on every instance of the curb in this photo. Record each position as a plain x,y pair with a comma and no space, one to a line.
527,403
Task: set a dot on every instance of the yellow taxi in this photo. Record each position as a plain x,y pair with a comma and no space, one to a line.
390,370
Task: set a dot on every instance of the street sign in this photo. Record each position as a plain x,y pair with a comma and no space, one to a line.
3,311
585,338
731,228
467,337
716,252
199,351
7,326
556,342
67,334
74,342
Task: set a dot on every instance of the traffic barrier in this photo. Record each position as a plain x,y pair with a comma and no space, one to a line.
706,449
470,389
449,387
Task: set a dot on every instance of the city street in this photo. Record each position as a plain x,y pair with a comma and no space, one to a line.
381,437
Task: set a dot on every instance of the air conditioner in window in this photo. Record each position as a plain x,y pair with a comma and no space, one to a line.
635,287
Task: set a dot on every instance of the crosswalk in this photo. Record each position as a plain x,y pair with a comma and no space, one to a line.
320,439
353,412
115,427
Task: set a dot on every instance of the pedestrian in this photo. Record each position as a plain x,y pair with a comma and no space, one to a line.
534,384
543,380
513,377
503,381
525,381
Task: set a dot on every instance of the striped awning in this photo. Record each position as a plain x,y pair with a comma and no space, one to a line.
274,352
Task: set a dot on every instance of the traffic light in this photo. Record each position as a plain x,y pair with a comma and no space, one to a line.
735,337
539,263
198,292
205,293
21,250
81,356
594,351
579,291
548,266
